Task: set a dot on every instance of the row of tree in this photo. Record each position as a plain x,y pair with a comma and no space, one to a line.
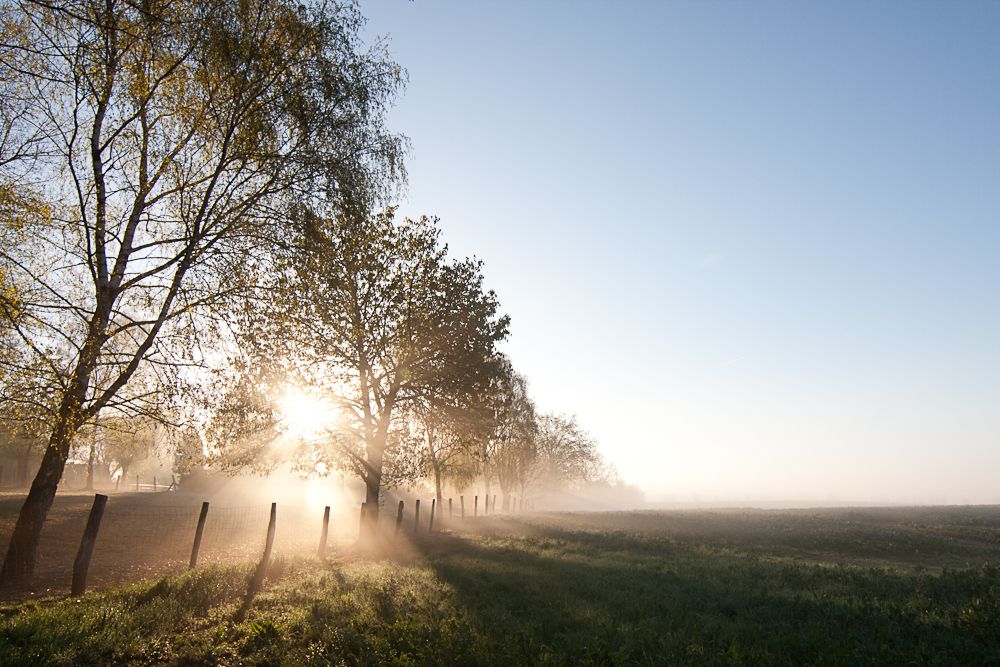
106,448
195,210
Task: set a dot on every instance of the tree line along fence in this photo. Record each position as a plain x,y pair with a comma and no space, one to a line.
122,542
122,483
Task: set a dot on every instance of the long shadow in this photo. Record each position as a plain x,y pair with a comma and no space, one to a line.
636,599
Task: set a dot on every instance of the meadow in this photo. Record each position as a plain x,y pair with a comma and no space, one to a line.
889,586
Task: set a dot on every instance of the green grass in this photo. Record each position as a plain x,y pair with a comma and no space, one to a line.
679,588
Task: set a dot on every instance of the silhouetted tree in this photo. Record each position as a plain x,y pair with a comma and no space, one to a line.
374,315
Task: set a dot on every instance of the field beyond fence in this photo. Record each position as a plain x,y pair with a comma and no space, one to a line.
824,587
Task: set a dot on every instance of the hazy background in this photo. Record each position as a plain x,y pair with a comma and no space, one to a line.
754,246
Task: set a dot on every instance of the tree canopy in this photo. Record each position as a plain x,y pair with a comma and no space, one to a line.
169,142
371,313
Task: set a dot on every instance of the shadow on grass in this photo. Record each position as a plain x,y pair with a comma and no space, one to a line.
617,598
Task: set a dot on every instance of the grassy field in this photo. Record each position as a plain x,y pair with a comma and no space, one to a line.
909,586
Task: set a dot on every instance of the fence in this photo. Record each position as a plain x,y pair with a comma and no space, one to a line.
143,537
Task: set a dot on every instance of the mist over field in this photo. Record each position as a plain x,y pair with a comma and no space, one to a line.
391,332
752,247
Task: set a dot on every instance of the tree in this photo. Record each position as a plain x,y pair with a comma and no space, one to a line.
378,319
26,409
566,456
23,442
510,449
170,140
448,434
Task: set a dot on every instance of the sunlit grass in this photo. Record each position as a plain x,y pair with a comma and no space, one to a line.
630,589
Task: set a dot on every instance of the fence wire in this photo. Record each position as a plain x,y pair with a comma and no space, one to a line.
141,540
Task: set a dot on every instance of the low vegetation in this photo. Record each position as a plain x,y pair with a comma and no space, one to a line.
642,588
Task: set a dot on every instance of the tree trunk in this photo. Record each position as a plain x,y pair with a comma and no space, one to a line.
373,487
21,475
371,500
90,465
19,565
504,491
437,485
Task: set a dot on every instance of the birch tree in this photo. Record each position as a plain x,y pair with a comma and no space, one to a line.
170,141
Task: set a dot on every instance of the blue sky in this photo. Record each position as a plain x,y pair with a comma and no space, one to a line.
754,246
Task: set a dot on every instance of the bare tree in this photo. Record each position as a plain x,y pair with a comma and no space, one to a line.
566,457
170,140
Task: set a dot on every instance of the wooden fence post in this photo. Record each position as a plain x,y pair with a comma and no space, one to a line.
154,484
450,512
258,577
399,520
416,517
462,498
433,503
82,562
197,535
494,503
136,482
323,533
486,505
475,507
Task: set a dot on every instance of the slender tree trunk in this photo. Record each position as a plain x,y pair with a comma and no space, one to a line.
21,475
505,492
373,487
90,463
19,564
437,484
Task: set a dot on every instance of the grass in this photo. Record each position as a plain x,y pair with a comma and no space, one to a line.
644,588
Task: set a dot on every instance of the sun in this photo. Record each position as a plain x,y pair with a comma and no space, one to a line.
305,413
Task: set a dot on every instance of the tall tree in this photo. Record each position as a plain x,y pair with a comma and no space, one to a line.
379,320
566,456
175,137
448,433
510,450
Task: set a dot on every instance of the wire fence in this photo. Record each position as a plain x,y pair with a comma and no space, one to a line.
141,538
131,539
140,535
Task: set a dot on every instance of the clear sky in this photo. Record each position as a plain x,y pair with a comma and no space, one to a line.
754,246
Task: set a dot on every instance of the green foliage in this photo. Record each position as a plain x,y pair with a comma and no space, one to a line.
374,316
685,588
